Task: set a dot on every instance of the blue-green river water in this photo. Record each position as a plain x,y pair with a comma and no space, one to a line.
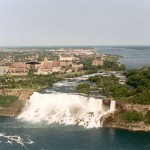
133,56
59,137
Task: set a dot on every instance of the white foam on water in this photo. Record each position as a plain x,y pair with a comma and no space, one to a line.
64,83
63,108
10,139
51,91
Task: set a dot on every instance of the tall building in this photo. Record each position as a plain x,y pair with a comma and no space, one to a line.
46,63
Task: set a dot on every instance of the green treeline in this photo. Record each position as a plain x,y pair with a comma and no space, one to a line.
136,90
132,117
83,88
110,85
109,64
139,81
113,65
30,81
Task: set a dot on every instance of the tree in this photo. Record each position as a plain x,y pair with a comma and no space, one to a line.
133,116
83,88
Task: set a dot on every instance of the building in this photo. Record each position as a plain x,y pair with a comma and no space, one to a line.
17,71
10,70
44,67
37,67
32,66
55,66
97,62
66,58
21,70
20,65
46,64
66,64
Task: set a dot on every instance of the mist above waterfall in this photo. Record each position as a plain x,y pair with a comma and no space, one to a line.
63,108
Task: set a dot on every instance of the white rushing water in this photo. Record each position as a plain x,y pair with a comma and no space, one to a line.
69,109
112,106
11,139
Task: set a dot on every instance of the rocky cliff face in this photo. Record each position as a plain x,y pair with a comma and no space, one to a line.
17,106
137,107
113,120
128,107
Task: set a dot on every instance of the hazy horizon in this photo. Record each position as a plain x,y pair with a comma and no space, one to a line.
79,46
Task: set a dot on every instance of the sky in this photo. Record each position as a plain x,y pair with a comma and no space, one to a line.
74,22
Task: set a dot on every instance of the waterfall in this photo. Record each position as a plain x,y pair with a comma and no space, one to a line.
112,106
63,108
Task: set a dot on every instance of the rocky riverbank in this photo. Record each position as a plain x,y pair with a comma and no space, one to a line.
115,120
17,106
130,126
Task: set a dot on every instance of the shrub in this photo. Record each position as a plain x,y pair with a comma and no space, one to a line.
133,116
83,88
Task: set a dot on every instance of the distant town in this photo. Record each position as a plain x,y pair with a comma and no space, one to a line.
19,61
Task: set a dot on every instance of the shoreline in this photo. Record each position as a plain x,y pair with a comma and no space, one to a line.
129,126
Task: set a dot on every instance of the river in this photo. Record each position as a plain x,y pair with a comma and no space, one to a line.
133,56
35,130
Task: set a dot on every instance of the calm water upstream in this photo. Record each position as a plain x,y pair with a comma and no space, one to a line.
133,56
